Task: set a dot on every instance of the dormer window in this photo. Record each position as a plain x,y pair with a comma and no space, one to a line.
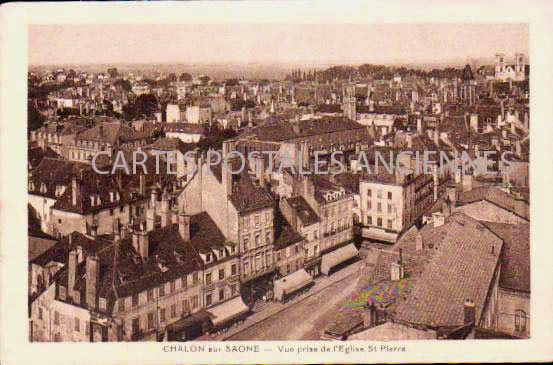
63,292
208,257
31,186
103,304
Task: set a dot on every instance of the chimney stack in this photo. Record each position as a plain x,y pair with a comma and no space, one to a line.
470,312
143,244
92,279
154,197
419,243
165,209
184,227
452,195
150,219
75,190
142,184
94,230
72,273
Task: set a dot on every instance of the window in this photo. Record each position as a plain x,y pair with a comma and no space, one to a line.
208,257
122,305
208,278
208,299
121,209
172,286
195,301
39,313
520,320
257,240
195,278
150,320
233,269
184,281
389,195
150,295
267,237
246,244
297,248
162,314
389,208
111,211
379,207
56,318
379,222
77,325
185,306
103,303
278,256
173,310
379,194
86,327
389,224
369,192
222,294
268,217
221,274
233,289
246,222
315,249
135,300
63,292
135,325
369,205
162,290
257,220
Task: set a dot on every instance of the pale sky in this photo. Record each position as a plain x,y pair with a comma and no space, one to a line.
376,43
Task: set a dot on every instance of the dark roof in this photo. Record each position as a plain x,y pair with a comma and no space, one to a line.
515,263
497,197
304,212
329,108
463,268
111,133
467,73
172,144
192,128
36,154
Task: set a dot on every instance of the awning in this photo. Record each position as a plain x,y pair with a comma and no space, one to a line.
337,257
228,310
194,319
291,283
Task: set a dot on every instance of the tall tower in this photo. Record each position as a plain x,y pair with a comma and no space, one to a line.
499,63
519,62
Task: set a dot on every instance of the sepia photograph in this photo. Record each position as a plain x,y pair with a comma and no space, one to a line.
152,219
275,182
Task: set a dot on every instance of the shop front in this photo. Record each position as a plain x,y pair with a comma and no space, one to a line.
291,284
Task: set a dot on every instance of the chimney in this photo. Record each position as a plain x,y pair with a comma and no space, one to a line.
467,182
452,195
94,230
419,243
419,125
396,271
153,197
470,312
75,190
165,209
92,279
184,227
438,219
142,184
150,219
260,169
143,244
446,209
370,315
72,272
305,155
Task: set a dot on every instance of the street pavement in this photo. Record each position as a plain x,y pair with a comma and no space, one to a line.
304,317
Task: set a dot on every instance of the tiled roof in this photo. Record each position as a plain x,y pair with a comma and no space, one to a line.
463,268
497,197
172,144
249,196
36,154
110,133
515,262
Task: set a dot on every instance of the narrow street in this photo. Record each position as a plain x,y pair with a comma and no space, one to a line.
304,320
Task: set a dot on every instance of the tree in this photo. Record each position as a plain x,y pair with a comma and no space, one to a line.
35,119
124,84
112,72
71,74
204,79
172,77
185,77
